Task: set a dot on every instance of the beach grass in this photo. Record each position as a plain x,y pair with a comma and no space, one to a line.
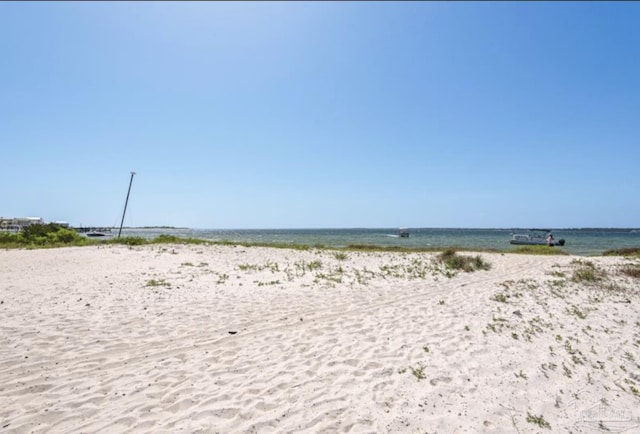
453,261
631,271
630,251
538,250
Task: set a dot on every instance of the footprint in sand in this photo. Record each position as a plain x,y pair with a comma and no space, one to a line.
435,381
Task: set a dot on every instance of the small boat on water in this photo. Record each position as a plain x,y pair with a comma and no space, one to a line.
96,234
403,233
536,237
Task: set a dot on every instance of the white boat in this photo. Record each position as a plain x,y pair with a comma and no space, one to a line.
403,233
535,237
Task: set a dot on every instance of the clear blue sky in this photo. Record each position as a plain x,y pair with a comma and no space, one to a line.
324,114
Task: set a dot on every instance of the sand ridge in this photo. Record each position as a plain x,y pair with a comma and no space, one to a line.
252,339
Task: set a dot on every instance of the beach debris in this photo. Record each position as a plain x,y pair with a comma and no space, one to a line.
232,332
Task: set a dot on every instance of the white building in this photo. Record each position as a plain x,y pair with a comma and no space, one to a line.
14,224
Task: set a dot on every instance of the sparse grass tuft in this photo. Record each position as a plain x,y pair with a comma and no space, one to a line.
631,251
313,265
631,271
521,375
340,256
419,372
453,261
159,282
586,271
271,282
575,310
538,420
500,297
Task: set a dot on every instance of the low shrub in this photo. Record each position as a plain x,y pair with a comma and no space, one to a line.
10,239
66,236
42,235
454,261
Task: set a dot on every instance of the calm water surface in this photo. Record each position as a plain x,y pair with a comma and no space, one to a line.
578,242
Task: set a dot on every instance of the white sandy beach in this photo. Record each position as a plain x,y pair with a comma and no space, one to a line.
190,338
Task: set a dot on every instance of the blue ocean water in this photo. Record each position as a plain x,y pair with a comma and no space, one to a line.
578,241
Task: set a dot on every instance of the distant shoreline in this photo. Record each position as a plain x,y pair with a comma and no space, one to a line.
585,229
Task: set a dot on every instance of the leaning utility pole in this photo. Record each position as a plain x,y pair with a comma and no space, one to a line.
125,203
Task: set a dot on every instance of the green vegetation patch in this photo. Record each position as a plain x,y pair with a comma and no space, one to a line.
128,241
630,251
43,235
538,420
586,271
538,250
450,259
162,239
158,282
418,371
340,256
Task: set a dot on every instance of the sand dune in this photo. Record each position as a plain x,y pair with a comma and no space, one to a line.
234,339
